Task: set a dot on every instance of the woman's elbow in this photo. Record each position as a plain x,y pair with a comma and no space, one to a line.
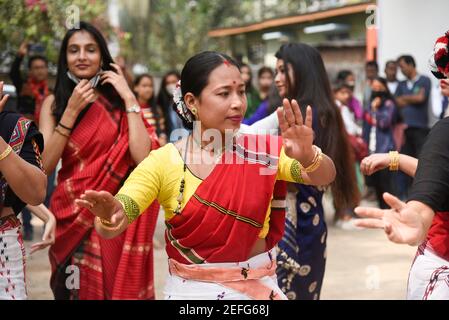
38,193
331,174
330,177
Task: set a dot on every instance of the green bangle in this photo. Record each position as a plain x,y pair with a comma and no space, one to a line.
130,207
296,172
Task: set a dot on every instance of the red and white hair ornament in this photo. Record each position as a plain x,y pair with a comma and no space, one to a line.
439,60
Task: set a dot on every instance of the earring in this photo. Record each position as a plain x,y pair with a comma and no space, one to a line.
194,111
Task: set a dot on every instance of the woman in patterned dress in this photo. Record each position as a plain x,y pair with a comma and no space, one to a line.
300,75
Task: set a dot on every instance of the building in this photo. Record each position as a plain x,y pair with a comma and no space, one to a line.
338,29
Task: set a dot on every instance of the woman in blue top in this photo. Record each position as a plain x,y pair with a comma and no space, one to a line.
378,133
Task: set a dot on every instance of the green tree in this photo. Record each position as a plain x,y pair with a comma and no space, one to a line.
44,21
174,30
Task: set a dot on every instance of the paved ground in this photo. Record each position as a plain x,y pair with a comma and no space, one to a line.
361,264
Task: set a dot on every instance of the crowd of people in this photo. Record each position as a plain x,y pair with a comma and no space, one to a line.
100,154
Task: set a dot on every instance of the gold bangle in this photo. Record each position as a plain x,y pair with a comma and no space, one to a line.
107,226
316,162
61,133
394,161
5,153
106,222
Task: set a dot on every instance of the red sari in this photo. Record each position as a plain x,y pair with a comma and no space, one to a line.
97,158
223,219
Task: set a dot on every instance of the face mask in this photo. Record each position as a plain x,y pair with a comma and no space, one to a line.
378,94
170,88
93,82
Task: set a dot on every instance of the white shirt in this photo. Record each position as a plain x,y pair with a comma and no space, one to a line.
392,86
267,125
411,83
349,120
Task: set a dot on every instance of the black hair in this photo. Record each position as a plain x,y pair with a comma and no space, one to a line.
152,101
249,85
36,57
408,59
311,86
385,84
196,71
397,117
390,62
343,74
263,70
136,82
64,86
165,99
274,99
372,63
341,84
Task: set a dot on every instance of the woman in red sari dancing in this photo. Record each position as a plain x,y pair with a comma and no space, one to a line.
220,190
94,125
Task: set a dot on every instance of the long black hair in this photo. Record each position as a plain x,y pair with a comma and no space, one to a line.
311,86
249,85
165,100
157,113
196,71
64,86
138,79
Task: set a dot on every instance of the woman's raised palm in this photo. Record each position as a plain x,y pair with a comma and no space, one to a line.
297,134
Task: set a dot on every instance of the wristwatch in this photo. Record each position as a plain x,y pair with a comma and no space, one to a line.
134,109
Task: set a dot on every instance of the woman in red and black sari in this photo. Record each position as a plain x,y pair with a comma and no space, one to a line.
93,124
22,181
144,90
221,190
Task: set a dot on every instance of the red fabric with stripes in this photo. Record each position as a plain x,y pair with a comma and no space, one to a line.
246,189
438,235
97,158
277,217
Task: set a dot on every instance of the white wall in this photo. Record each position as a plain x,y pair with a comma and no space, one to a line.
410,27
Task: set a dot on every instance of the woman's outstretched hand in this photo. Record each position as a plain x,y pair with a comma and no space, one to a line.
297,134
402,223
48,238
103,205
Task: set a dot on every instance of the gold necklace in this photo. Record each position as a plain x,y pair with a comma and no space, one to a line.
180,196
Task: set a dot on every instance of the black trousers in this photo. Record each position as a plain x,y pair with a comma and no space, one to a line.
414,141
382,181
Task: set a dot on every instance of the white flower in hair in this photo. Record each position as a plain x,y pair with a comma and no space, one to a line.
177,93
180,104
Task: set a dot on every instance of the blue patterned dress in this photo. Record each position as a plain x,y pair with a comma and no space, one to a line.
302,250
